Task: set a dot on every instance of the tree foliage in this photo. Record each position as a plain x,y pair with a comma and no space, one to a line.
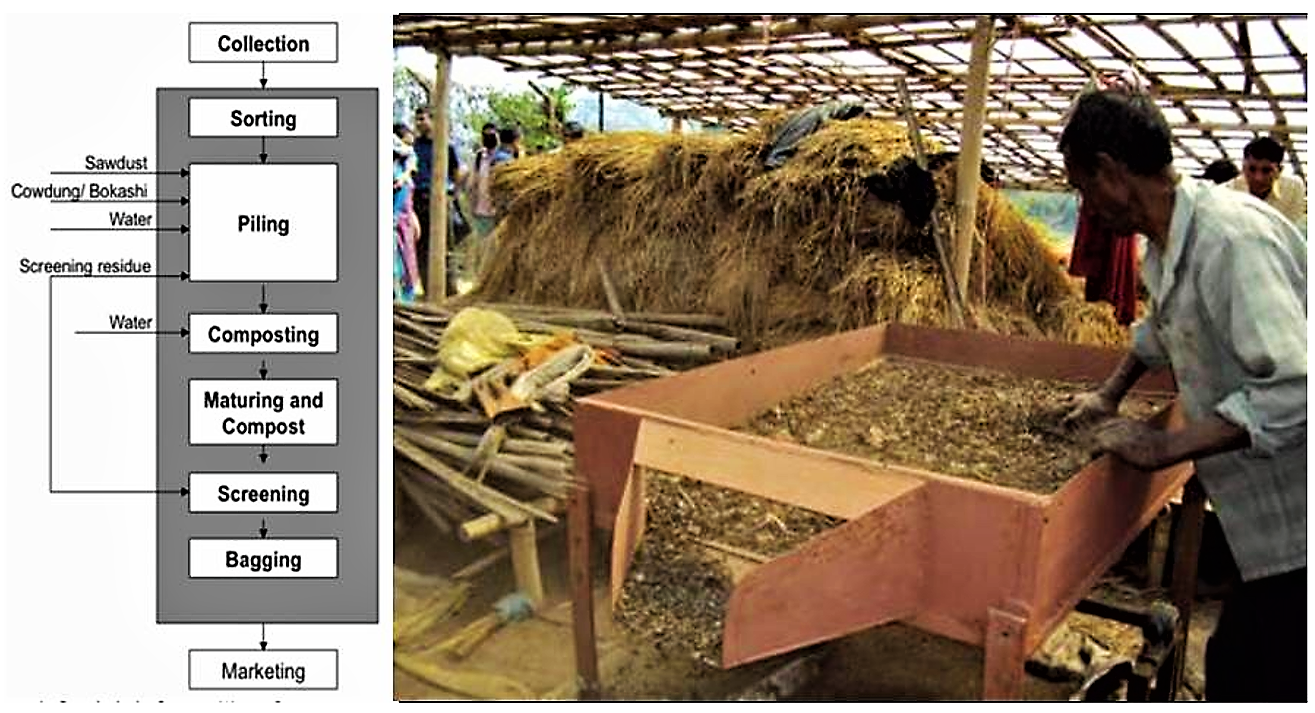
539,119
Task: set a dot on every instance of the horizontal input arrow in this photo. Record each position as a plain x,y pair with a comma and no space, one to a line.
180,332
165,229
180,172
167,491
158,201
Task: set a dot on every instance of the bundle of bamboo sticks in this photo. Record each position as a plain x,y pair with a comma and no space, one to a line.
472,475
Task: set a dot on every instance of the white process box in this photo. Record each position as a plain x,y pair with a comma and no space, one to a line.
282,333
262,492
254,412
209,117
262,558
262,41
263,223
268,670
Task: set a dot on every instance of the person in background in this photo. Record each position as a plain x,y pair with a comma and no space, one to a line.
1262,176
1220,171
479,194
1227,282
572,132
509,145
407,285
420,199
403,132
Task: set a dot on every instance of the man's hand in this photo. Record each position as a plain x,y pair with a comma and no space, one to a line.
1135,443
1085,410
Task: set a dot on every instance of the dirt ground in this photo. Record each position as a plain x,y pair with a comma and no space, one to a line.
886,663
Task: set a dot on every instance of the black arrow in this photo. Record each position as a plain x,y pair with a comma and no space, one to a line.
263,155
263,370
262,86
263,643
263,304
182,200
154,276
263,455
180,332
167,229
167,491
180,172
263,531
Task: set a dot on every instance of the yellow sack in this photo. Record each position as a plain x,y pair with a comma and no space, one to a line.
475,340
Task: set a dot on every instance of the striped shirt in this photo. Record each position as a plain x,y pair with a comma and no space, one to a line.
1228,313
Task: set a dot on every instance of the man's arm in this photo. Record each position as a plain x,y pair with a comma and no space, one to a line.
1121,380
1103,403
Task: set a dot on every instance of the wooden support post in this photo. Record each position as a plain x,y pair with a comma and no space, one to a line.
970,149
525,562
677,125
436,290
1157,555
1182,588
579,530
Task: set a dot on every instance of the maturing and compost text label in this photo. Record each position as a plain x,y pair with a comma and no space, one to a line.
262,492
231,412
262,558
283,333
275,669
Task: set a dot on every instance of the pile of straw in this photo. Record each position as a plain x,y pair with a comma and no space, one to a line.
831,240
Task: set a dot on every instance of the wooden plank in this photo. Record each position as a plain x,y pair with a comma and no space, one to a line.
604,449
1182,589
579,533
981,550
863,573
1090,522
783,472
731,392
631,517
1035,358
970,149
1005,656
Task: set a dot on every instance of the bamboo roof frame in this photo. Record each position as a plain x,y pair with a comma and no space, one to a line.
1220,79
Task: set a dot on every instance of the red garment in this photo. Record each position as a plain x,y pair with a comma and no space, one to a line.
1109,262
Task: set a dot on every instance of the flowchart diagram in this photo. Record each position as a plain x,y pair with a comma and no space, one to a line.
263,203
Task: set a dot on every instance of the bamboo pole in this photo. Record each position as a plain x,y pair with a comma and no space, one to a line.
491,523
953,296
436,290
489,498
970,151
525,562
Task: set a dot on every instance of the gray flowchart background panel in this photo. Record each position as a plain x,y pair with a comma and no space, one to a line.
353,595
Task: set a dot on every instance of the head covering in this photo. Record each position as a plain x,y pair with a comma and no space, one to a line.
1125,81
